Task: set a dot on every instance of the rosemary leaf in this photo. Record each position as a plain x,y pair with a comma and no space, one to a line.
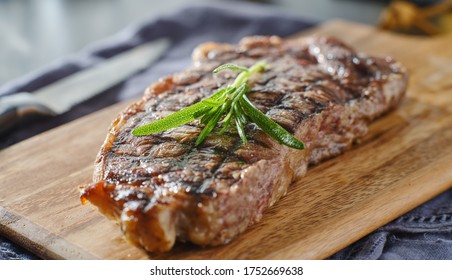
226,122
202,112
230,66
241,130
239,114
269,126
176,119
209,115
210,125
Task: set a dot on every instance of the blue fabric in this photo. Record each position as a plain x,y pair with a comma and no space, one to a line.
424,233
10,251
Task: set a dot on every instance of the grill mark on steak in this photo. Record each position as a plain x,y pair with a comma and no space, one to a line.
161,187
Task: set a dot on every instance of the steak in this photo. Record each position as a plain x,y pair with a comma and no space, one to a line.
162,188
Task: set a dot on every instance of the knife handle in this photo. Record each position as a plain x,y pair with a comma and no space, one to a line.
13,109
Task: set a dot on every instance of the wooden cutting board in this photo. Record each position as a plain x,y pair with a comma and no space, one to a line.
404,161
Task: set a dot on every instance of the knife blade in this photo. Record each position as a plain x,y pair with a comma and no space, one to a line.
62,95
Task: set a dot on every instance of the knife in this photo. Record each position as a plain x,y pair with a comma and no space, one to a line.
62,95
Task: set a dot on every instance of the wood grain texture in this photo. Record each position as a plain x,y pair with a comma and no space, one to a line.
405,160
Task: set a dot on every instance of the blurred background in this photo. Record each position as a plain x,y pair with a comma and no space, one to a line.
34,33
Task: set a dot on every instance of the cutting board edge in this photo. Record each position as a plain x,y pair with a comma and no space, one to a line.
42,242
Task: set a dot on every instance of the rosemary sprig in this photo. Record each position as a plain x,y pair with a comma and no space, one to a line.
230,101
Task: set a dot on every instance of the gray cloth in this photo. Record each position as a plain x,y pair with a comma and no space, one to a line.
424,233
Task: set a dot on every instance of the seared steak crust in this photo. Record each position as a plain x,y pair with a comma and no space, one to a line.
161,187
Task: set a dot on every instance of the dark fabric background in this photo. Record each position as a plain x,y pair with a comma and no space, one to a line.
424,233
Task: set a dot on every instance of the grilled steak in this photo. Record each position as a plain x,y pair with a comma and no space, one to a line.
161,187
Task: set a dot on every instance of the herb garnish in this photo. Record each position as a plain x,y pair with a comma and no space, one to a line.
230,101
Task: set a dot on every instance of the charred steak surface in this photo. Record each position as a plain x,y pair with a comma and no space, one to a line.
161,187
